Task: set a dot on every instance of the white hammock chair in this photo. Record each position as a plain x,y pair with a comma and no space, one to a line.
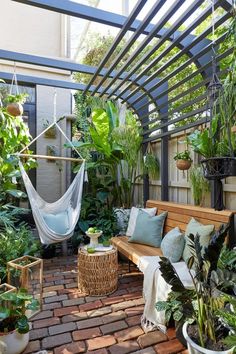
56,221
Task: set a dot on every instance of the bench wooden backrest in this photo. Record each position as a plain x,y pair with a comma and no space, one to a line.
180,214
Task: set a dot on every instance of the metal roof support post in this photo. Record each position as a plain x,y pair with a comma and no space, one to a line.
164,149
140,113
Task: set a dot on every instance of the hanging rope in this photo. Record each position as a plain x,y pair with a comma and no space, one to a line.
14,81
55,122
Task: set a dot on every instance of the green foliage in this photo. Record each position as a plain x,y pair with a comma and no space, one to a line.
199,185
16,240
14,135
173,308
228,318
151,165
18,98
227,259
95,212
202,143
218,139
115,151
201,303
12,311
185,155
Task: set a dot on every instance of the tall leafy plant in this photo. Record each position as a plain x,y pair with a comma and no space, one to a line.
118,151
199,185
14,135
202,303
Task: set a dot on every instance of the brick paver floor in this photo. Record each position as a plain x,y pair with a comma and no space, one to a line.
72,323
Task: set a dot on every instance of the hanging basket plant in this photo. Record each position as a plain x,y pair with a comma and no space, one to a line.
183,160
217,143
15,104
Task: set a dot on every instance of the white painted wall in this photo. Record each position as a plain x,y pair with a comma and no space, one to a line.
37,31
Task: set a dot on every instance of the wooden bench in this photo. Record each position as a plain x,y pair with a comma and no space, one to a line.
178,215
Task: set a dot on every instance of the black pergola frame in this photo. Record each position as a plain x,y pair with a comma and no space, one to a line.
149,89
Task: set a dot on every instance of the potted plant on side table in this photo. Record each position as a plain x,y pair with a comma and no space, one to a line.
14,324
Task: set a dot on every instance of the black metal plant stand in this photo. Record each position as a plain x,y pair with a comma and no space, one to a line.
215,169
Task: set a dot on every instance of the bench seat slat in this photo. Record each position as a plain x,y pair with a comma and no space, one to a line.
133,251
192,210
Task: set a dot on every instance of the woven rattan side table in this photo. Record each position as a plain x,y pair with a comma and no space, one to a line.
97,272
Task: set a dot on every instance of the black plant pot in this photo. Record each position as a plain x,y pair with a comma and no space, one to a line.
48,252
179,333
216,168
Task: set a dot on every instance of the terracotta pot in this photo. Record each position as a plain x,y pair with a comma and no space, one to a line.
13,342
194,348
183,164
15,109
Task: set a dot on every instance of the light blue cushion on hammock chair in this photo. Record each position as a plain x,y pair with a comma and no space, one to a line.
59,223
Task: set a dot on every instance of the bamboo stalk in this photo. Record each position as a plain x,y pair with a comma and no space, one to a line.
51,157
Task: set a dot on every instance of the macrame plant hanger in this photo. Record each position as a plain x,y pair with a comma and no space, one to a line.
54,123
14,81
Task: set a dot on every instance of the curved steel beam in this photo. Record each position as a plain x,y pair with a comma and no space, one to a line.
34,80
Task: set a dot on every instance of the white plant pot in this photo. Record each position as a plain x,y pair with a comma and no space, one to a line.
13,342
194,348
93,238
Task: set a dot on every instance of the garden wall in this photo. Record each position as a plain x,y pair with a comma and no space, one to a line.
179,185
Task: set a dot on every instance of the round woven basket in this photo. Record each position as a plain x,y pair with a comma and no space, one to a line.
97,272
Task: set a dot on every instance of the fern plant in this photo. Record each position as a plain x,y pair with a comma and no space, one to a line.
199,185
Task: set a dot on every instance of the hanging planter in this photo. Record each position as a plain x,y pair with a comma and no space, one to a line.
183,160
219,167
15,104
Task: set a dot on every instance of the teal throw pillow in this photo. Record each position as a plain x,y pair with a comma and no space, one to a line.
59,223
172,245
148,229
194,227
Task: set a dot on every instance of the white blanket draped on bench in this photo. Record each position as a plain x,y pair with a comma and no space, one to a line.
156,289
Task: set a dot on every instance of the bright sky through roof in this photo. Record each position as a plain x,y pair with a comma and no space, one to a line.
80,28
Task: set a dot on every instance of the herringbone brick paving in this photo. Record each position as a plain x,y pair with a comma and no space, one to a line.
73,323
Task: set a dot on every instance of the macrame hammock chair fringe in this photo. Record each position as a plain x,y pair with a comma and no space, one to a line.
56,221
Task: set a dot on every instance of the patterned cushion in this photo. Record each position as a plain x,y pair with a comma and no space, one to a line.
133,218
204,232
148,229
172,245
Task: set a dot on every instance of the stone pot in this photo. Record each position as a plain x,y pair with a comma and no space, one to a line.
183,164
194,348
93,238
13,342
